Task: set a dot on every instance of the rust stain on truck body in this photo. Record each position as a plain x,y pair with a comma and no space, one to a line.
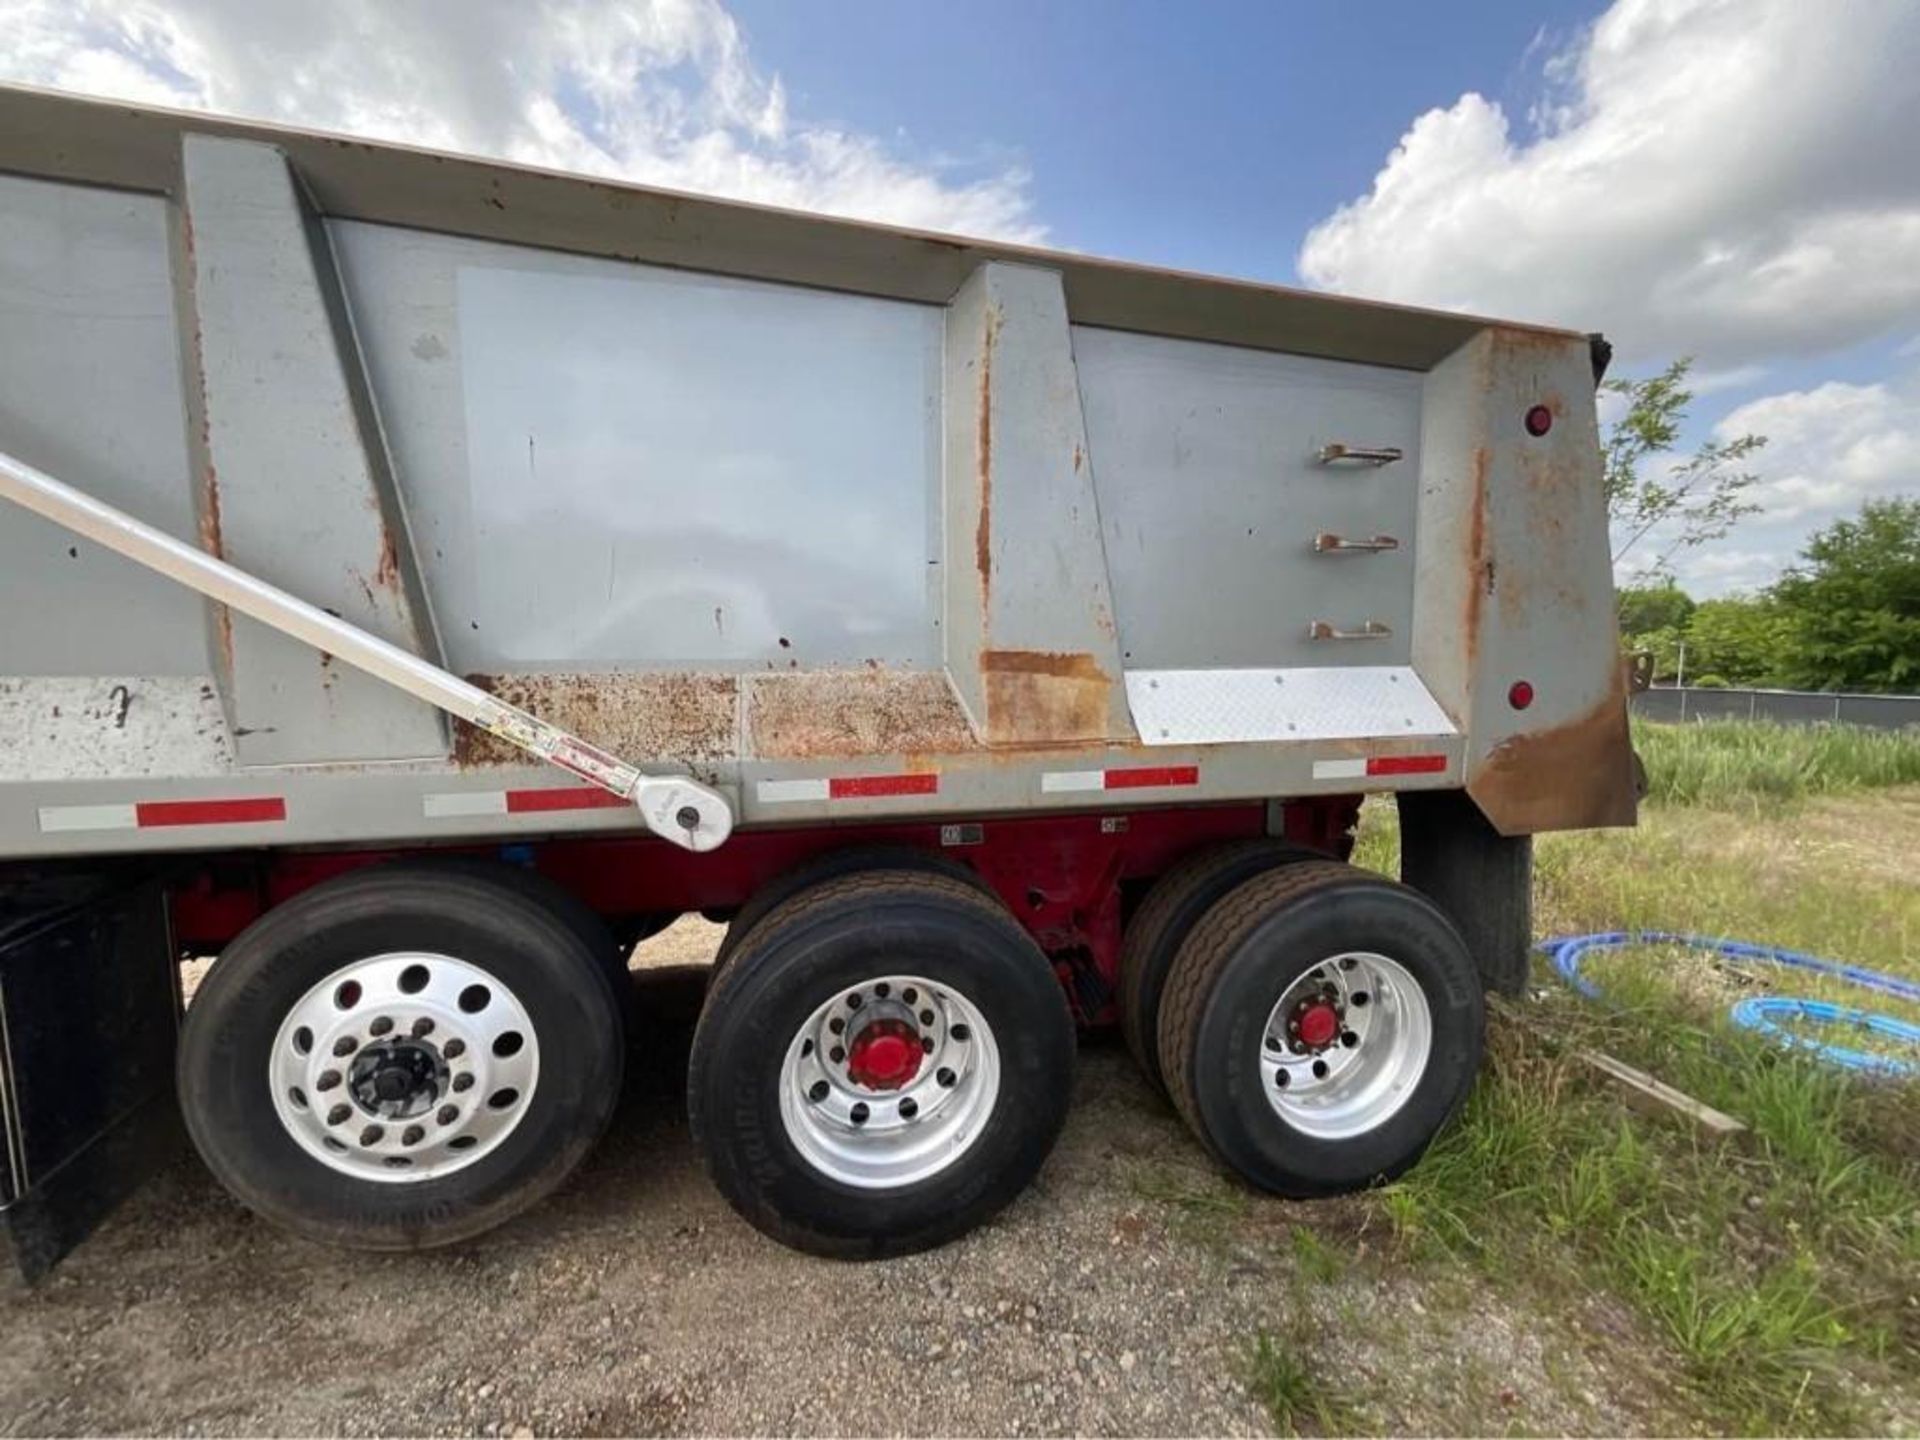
1044,697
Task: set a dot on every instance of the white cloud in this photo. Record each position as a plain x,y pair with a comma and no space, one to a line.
1832,447
1733,179
659,91
1829,449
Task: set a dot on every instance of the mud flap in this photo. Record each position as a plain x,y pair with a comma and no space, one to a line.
89,1008
1451,853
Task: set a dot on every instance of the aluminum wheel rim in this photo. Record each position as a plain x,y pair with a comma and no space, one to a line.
1360,1078
404,1067
883,1137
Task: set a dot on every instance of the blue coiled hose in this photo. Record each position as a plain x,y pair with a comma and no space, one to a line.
1759,1013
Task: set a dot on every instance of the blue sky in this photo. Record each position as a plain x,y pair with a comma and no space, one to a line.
1206,138
1730,179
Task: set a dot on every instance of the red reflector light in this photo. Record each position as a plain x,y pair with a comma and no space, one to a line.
1539,420
1520,696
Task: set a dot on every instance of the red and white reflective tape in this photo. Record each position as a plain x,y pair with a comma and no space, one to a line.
1133,777
848,787
1359,768
164,814
451,804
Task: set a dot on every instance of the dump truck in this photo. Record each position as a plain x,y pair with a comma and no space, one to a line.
425,578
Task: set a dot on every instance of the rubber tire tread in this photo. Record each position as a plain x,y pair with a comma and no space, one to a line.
954,1220
573,912
1172,908
249,1151
1213,943
831,865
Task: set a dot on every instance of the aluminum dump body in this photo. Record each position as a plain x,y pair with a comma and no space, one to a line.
845,522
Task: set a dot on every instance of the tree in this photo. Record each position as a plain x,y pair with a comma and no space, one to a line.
1647,608
1854,602
1747,640
1687,502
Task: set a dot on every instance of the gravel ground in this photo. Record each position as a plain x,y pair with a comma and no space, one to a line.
636,1302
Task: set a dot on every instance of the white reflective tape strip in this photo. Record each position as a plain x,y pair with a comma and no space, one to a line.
88,817
447,805
1340,769
1062,780
773,792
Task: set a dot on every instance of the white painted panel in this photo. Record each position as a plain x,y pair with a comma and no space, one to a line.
134,727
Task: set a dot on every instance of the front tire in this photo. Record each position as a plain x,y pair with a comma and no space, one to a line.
1320,1025
400,1058
883,1063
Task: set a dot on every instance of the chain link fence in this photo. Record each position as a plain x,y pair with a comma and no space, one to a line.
1787,707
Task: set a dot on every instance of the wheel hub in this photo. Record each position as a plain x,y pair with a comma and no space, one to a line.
1317,1024
1345,1045
885,1055
404,1066
889,1081
397,1079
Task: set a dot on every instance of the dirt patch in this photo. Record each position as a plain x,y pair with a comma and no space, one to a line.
829,713
669,715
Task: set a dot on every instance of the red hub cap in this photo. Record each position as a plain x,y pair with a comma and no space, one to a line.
885,1055
1319,1024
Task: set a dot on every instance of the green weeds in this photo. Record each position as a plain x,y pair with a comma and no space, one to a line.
1755,764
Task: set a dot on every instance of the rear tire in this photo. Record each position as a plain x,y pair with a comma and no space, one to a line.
1172,907
854,860
394,1000
1356,989
957,1015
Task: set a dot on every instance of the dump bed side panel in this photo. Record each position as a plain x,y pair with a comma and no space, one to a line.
90,388
613,465
842,550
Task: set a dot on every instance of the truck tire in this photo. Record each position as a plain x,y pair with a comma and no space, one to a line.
401,1057
571,910
1355,989
1177,900
883,1064
829,866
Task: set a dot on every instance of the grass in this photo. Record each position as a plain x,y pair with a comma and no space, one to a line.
1777,1275
1202,1207
1748,764
1775,1272
1294,1388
